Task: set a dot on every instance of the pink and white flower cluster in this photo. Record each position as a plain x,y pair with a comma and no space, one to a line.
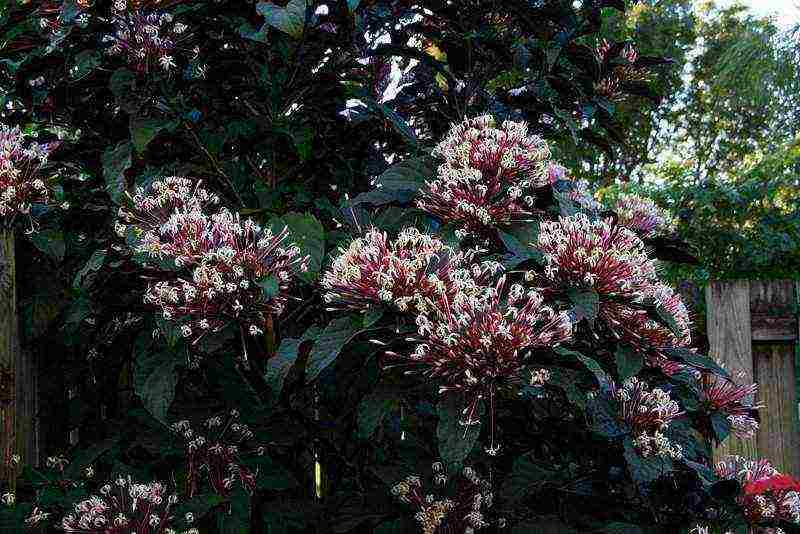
642,216
585,254
123,507
145,38
434,513
21,184
488,175
648,412
477,343
736,401
229,260
411,273
218,453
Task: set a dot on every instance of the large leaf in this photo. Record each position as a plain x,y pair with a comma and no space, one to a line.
330,344
199,506
51,242
271,475
290,19
528,475
155,378
644,470
145,129
456,438
629,362
372,410
697,360
398,183
517,240
278,366
116,161
237,520
308,234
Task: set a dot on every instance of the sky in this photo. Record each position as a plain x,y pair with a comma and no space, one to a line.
787,12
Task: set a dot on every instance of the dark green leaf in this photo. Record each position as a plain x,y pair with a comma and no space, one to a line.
290,19
372,409
629,362
528,475
116,161
456,438
50,242
644,470
199,505
278,366
154,381
721,425
145,129
697,360
308,234
329,345
398,183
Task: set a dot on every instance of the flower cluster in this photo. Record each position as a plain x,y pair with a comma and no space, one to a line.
123,507
145,38
479,342
476,344
642,216
648,412
767,495
734,400
20,168
218,454
581,253
239,271
462,513
593,254
488,175
412,273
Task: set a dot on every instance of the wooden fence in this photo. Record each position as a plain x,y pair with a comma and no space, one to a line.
753,330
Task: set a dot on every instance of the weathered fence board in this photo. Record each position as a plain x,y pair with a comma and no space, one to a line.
730,342
752,329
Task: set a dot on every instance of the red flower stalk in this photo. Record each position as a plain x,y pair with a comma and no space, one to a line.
146,38
648,412
412,273
124,507
735,400
488,175
477,343
464,512
20,169
642,216
219,454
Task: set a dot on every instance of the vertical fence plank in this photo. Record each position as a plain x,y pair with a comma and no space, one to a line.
730,343
9,350
772,310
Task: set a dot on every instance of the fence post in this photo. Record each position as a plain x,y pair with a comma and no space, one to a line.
752,329
9,353
730,343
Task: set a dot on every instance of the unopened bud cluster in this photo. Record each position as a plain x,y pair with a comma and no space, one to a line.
463,512
217,451
147,39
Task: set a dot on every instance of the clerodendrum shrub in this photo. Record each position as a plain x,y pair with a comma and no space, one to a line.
476,311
